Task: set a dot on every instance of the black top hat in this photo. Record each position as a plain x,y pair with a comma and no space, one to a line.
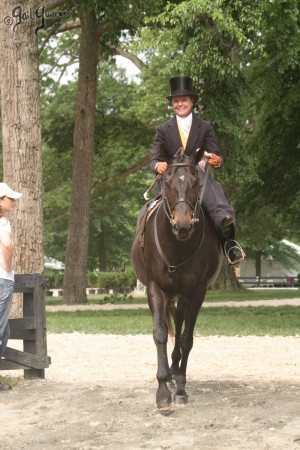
182,86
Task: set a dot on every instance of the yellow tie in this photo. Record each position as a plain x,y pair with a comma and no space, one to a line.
182,136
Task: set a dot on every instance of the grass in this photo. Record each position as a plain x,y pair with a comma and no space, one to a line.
12,381
251,294
211,296
223,321
95,299
257,321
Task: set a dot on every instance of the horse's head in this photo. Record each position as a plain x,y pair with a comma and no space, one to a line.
181,194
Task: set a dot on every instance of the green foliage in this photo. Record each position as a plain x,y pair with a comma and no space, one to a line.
204,40
91,279
116,280
207,33
121,142
244,59
105,280
274,114
117,298
54,278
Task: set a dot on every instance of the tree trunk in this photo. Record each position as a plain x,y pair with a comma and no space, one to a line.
258,264
21,132
227,279
258,267
74,285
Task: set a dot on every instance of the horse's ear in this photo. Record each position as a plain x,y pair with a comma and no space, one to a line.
198,155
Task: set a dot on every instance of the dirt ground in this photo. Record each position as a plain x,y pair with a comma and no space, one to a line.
99,393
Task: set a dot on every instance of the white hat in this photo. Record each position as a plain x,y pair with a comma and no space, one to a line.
6,191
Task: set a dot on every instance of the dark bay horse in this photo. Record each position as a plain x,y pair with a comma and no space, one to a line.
177,256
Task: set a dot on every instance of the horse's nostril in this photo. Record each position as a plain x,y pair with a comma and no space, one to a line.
183,231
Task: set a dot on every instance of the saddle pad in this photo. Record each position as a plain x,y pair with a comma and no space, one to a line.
152,208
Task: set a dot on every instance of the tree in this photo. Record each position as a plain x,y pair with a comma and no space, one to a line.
106,24
236,50
272,135
77,244
122,145
21,130
224,46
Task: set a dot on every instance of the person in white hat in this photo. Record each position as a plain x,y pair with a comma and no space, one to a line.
7,202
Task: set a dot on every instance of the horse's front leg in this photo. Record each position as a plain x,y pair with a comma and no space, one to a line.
158,305
179,316
186,344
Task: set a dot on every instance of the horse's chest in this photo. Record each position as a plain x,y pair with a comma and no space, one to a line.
178,282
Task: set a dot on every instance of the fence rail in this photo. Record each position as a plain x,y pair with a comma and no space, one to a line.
31,328
269,281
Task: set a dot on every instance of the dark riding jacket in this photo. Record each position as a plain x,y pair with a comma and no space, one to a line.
201,136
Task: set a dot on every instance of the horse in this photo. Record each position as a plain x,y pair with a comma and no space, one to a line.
176,254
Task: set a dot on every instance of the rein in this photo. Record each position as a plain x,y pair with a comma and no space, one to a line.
200,198
168,212
173,268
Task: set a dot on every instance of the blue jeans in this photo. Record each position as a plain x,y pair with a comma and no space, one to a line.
6,294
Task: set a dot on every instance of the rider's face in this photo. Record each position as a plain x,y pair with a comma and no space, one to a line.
182,105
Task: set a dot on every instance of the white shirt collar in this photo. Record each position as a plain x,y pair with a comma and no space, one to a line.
185,123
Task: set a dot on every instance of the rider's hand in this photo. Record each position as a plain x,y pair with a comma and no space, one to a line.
161,168
214,161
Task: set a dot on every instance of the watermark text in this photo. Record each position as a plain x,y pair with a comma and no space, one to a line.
36,14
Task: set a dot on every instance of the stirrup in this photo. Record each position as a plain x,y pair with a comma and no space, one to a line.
236,246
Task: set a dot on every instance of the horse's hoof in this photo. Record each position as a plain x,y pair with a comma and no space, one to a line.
180,399
163,402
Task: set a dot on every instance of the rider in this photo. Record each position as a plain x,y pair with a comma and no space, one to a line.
187,130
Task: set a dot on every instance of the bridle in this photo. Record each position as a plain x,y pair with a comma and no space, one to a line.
197,210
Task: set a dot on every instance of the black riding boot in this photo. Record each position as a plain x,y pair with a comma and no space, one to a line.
232,250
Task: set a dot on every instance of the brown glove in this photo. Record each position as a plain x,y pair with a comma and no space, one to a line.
215,161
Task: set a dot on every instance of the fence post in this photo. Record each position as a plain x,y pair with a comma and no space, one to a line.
31,328
34,306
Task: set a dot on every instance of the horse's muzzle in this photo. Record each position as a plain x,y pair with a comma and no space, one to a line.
183,232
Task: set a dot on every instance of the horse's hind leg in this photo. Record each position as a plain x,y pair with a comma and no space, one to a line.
158,306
